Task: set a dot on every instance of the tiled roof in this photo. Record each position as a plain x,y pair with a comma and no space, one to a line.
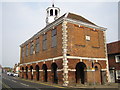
79,18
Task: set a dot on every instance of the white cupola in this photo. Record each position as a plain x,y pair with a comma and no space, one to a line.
52,14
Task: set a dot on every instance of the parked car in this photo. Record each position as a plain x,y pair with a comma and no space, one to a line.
15,75
9,74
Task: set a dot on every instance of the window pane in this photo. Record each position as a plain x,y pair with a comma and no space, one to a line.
118,58
54,32
26,50
44,36
37,45
54,41
44,45
22,52
31,48
54,38
44,42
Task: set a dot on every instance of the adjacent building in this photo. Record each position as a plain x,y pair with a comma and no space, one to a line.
69,50
16,68
114,60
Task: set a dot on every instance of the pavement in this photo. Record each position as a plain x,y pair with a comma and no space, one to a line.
16,83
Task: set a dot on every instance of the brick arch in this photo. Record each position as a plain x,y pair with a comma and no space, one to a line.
80,74
97,73
22,73
31,72
37,68
45,73
54,75
98,64
26,72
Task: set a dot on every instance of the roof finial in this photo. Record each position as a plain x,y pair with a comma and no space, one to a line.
52,3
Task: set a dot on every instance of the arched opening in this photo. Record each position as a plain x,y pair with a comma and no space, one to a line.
80,73
37,72
97,73
31,72
26,72
96,68
51,12
54,72
56,12
22,72
44,67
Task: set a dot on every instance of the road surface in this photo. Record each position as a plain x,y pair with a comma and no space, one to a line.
14,83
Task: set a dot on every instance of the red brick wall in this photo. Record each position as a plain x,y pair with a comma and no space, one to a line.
48,63
91,76
113,47
112,62
50,52
78,46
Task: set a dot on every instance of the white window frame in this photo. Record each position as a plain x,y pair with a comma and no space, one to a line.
117,74
116,58
87,37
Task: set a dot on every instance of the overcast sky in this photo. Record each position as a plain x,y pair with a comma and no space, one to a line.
21,20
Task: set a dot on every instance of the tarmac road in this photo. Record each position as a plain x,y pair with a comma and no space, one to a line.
14,83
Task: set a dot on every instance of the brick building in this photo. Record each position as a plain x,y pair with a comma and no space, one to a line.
114,60
70,49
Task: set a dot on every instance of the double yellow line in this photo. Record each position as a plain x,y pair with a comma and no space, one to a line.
43,83
6,86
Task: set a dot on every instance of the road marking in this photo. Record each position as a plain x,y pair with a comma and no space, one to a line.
14,77
8,79
13,81
43,83
6,86
37,88
24,84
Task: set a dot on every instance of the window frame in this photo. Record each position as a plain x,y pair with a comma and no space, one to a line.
44,41
116,58
117,74
37,45
22,52
87,37
26,50
54,37
31,48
